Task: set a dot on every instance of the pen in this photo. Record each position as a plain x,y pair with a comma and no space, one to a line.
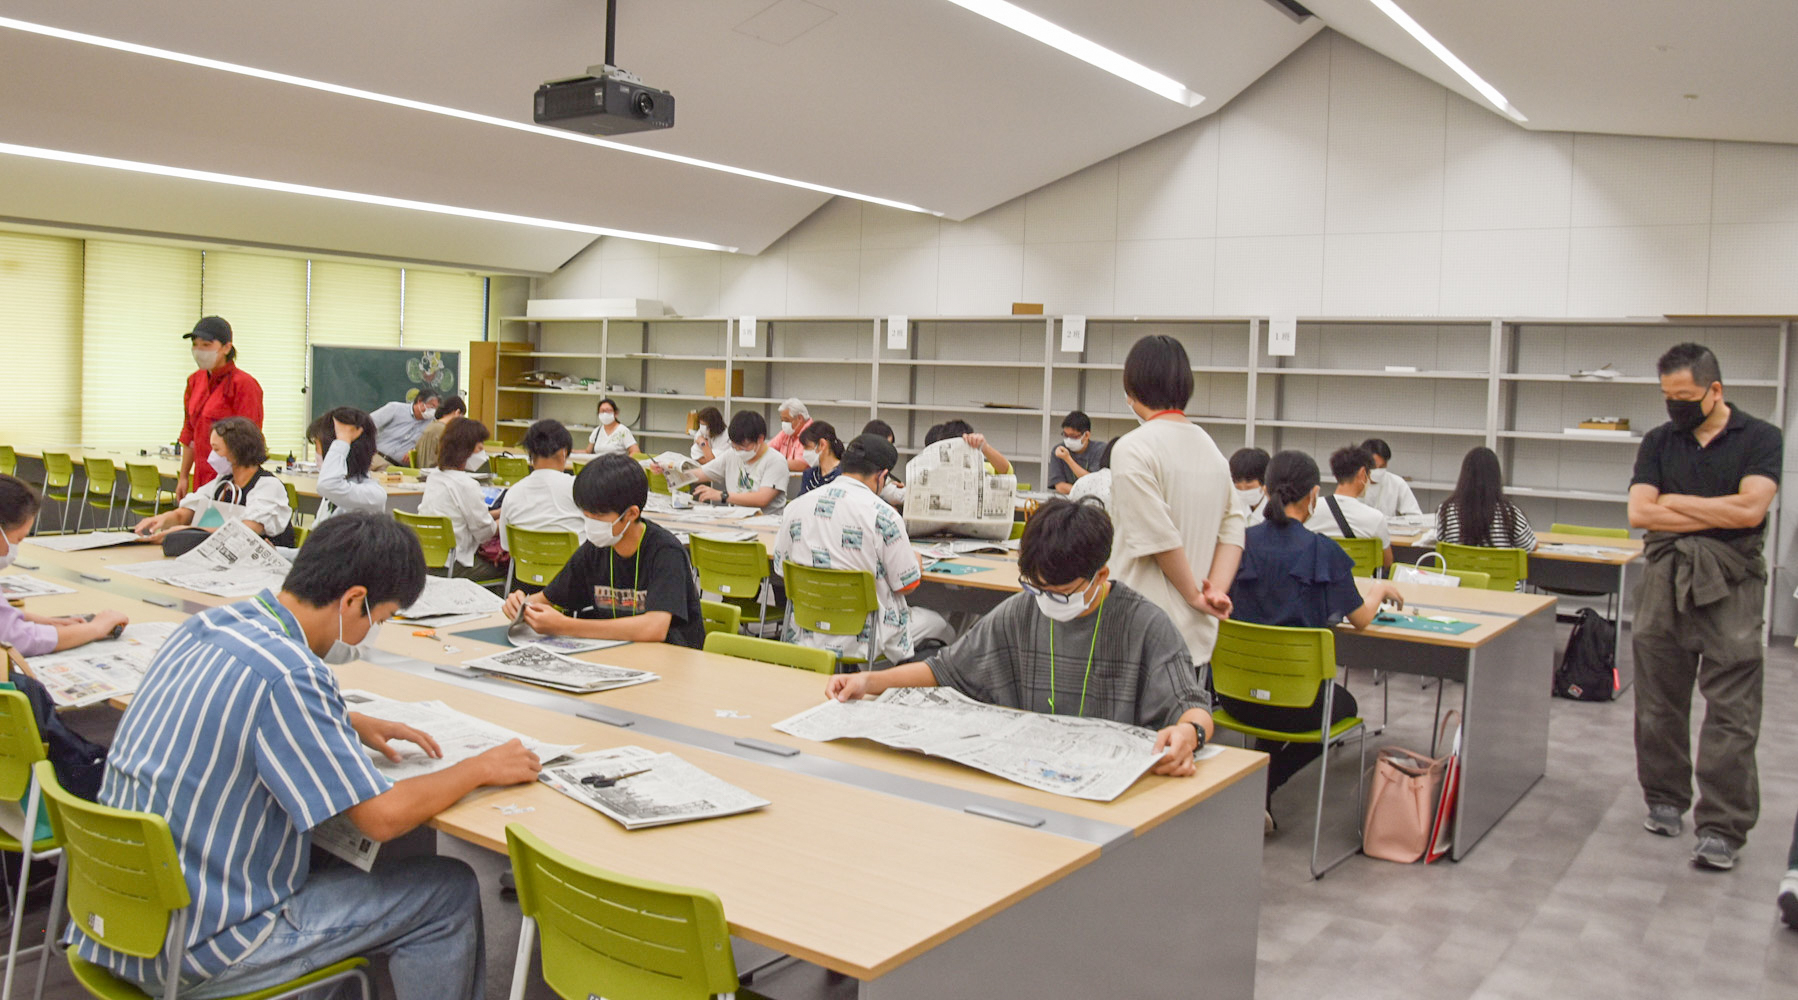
595,781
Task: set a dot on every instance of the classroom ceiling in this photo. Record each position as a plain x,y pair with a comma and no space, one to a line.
918,101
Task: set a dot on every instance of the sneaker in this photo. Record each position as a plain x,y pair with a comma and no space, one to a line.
1713,853
1788,899
1664,820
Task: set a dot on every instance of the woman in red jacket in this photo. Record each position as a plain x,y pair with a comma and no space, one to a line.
218,390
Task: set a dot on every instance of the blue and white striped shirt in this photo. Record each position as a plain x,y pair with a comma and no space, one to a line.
240,738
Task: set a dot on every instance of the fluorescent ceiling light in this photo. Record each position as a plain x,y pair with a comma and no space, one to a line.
1448,58
1084,49
185,173
438,109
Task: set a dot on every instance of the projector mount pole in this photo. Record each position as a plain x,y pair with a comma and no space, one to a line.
611,32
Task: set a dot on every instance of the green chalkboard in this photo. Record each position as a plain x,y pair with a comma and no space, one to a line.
368,377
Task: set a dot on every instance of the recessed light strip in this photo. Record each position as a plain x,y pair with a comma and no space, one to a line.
1082,48
437,109
1448,58
185,173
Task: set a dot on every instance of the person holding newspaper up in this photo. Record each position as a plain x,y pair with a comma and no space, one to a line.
1073,642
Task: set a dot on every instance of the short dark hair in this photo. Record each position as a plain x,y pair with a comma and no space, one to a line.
1689,357
362,450
1078,422
546,437
711,420
1064,541
868,454
459,441
946,430
1248,465
1346,463
18,501
747,426
1109,450
1290,476
454,404
881,428
1378,448
611,484
1157,373
352,549
426,395
819,430
244,445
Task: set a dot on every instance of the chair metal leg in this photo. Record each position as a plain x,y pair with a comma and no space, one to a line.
18,913
1323,777
521,965
51,947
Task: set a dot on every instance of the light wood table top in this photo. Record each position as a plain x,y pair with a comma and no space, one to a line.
1493,611
1627,549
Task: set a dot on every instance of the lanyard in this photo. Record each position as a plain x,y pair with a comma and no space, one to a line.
1162,413
1089,660
272,614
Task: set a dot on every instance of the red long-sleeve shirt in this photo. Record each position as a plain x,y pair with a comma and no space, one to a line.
213,396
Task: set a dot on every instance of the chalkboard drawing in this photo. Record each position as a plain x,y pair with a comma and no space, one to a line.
428,371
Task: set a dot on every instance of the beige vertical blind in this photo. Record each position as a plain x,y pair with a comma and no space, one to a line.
264,300
355,304
444,312
137,301
40,323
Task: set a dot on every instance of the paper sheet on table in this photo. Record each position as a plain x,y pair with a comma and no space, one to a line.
17,586
949,549
670,791
729,536
80,543
949,491
762,521
551,669
459,735
718,512
1572,549
1081,758
452,596
101,671
234,562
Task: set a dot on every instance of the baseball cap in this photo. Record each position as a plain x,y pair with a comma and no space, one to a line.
210,328
871,449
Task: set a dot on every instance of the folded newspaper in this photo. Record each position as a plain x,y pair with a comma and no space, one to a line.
680,470
551,669
104,670
234,562
90,540
17,586
638,788
948,490
1082,758
446,597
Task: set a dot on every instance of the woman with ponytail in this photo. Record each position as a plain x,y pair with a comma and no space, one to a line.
822,454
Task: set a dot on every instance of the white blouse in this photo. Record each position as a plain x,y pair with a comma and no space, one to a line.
620,440
265,502
455,494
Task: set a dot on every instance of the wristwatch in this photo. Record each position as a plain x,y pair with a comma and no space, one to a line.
1200,732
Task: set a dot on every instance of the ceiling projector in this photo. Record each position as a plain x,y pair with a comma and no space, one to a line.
606,101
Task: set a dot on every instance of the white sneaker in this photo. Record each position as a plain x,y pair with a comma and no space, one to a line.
1788,899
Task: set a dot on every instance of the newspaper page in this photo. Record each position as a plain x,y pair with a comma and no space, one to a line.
1081,758
459,735
101,671
551,669
91,540
18,586
340,836
640,789
679,469
452,596
234,562
948,490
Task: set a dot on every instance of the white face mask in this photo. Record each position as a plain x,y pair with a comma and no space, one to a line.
607,419
220,464
205,359
12,549
475,461
599,533
1250,499
342,652
811,459
1074,444
1075,606
786,427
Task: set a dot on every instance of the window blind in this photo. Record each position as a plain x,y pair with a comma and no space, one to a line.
137,302
40,323
354,304
444,312
264,300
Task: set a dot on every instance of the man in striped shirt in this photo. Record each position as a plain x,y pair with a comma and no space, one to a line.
240,738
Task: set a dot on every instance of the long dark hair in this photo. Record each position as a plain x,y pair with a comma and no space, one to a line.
1479,494
1291,476
362,450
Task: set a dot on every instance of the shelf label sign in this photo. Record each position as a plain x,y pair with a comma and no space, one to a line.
898,332
746,331
1282,336
1073,334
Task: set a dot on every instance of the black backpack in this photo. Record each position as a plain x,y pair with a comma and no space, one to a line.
79,763
1588,671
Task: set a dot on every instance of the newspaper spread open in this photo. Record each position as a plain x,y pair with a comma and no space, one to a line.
1083,758
90,540
679,469
101,671
551,669
666,790
947,489
451,596
234,562
17,586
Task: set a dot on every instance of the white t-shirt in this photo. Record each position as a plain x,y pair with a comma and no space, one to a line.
455,494
619,439
1366,521
845,526
541,501
336,491
265,502
735,472
1388,493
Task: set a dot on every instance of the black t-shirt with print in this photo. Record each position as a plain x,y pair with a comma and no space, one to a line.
599,583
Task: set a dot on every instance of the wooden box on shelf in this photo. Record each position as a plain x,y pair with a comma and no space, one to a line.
714,382
1605,424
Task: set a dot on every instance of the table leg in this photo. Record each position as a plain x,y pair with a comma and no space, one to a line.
1504,709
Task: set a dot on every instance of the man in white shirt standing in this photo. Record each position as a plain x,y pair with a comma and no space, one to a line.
543,500
1344,514
398,425
748,473
1387,491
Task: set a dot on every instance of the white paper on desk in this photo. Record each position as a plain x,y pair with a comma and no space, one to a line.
670,791
452,596
898,331
718,512
1282,336
1073,334
551,669
458,734
17,586
101,671
234,562
81,543
762,521
1081,758
1571,549
439,621
729,536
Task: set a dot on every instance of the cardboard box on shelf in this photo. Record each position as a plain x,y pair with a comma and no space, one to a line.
714,382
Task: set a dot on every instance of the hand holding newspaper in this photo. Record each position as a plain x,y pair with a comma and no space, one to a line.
639,789
680,470
947,489
234,562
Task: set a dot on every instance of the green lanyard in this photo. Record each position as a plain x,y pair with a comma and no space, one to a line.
271,613
1089,660
612,575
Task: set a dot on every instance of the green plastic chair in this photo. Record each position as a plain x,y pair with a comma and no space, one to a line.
59,483
1023,487
1284,667
1471,579
436,535
1368,553
721,617
9,460
1506,567
606,934
21,747
293,504
784,654
834,602
102,482
537,556
658,483
734,571
1580,529
144,495
122,880
1017,529
509,469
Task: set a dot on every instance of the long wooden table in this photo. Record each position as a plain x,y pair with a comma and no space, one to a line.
400,491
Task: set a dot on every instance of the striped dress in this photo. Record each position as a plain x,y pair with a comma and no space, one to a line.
240,738
1509,529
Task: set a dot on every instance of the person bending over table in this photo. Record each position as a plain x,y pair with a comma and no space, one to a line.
243,491
1078,454
31,634
748,473
1343,514
247,686
399,424
629,580
1072,642
345,437
431,439
452,492
543,500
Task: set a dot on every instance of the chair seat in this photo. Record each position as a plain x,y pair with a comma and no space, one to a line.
1224,719
103,984
10,844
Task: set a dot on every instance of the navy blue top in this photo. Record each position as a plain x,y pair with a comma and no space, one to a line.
1293,576
814,479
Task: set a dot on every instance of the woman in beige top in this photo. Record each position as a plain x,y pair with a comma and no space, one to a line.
1179,529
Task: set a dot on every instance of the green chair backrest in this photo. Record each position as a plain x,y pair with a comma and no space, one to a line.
143,483
605,934
1023,487
733,569
102,476
1272,665
124,877
537,556
1469,578
1368,553
509,469
293,498
1590,532
1505,566
658,483
785,654
9,460
1017,529
21,747
59,470
721,617
832,601
435,534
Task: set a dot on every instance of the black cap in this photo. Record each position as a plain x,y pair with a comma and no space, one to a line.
871,450
211,328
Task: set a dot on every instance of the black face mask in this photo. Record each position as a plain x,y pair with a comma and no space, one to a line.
1686,414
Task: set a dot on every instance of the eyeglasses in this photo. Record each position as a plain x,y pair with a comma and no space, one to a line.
1054,598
